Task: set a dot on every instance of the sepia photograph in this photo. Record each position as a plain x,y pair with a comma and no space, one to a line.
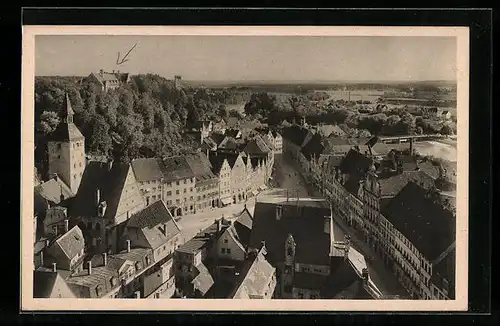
288,164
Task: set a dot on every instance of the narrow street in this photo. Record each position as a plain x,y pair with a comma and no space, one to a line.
288,176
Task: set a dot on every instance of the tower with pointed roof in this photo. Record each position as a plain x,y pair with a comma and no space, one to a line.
66,149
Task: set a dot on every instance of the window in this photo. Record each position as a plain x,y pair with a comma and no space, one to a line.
177,192
191,207
225,240
223,250
191,198
289,251
177,201
185,190
169,184
191,189
58,146
184,181
169,193
228,250
177,182
169,202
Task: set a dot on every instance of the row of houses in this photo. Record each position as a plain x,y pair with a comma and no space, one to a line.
289,248
391,198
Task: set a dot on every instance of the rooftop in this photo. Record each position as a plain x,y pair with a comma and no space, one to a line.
303,220
203,239
53,190
147,169
71,242
423,221
176,168
256,278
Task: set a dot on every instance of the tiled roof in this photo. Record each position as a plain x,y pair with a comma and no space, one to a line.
229,143
314,147
151,216
105,77
355,163
44,283
295,134
100,277
52,190
256,146
232,133
217,137
243,227
71,242
203,239
341,277
327,130
200,165
256,279
392,185
304,222
110,182
425,223
147,169
175,168
135,254
203,281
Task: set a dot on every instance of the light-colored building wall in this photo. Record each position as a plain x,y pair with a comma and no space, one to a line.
225,181
161,282
180,194
227,248
67,160
238,181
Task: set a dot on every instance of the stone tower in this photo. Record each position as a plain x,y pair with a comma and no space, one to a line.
66,149
289,267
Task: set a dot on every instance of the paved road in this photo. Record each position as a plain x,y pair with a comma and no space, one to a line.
192,224
380,275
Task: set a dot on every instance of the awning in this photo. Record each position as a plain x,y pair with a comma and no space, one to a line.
226,201
255,192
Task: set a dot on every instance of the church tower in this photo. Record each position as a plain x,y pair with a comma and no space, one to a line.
66,147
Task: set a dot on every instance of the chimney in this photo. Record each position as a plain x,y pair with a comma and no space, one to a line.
55,177
364,275
128,245
54,267
164,229
218,222
347,243
89,263
66,226
101,72
262,244
326,224
97,197
105,258
47,243
41,258
279,212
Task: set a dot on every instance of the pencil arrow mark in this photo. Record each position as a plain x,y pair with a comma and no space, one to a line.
124,59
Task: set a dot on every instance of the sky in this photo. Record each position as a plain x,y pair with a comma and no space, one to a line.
252,58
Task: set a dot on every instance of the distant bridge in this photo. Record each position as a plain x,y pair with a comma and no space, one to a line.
406,138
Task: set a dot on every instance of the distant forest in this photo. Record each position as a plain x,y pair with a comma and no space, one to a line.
147,117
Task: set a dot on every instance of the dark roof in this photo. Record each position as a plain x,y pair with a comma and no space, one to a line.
353,182
44,282
151,216
216,161
176,168
303,222
203,281
217,137
147,169
122,77
444,269
421,220
205,238
52,190
110,182
355,163
295,134
342,276
256,146
314,147
230,143
232,133
243,227
391,186
105,77
308,281
201,167
71,242
327,130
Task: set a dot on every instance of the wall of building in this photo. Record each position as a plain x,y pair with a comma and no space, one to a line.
130,201
67,159
160,282
238,181
298,293
151,190
312,269
207,196
180,194
227,248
